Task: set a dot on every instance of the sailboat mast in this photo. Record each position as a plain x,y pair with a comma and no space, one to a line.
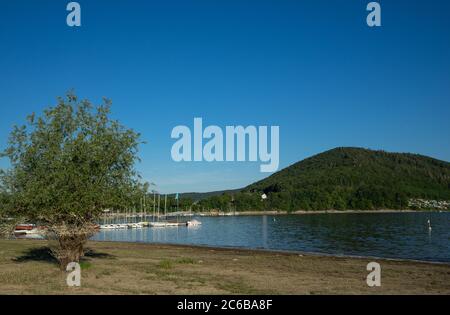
177,205
159,204
145,210
154,204
165,205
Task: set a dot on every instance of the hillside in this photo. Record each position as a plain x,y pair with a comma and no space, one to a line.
196,196
344,178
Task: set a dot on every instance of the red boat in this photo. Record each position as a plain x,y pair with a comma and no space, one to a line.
25,227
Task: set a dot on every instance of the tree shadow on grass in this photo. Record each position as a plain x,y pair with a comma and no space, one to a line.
90,253
44,254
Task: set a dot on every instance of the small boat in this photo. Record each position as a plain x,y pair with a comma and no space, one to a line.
106,226
193,223
25,227
176,223
167,224
122,226
26,232
28,229
113,226
135,225
158,224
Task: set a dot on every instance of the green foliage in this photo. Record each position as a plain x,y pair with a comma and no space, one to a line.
69,164
165,264
344,178
85,265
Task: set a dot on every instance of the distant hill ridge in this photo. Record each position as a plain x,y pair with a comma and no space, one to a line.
343,178
196,196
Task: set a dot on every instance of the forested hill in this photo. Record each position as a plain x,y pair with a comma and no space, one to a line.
196,196
345,178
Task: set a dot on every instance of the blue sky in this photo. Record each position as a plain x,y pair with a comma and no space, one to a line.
312,67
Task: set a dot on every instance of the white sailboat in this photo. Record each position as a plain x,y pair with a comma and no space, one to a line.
193,222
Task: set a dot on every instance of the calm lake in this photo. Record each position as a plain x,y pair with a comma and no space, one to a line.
390,235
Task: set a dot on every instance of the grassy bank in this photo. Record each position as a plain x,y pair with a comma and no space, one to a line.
123,268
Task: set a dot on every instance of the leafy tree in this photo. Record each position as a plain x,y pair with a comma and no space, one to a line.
67,166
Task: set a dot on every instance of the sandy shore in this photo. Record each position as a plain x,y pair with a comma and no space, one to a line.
130,268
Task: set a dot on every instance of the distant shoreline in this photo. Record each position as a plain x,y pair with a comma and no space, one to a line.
302,212
276,212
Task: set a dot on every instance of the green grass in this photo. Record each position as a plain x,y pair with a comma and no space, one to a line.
166,264
185,260
85,265
171,263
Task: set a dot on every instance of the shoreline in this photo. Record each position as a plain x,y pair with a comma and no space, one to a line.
137,268
304,212
256,250
273,212
282,251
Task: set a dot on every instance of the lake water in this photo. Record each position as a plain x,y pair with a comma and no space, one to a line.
389,235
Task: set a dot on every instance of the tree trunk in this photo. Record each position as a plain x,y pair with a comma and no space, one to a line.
71,249
69,241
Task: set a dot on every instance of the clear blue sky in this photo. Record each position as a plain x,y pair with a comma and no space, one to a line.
312,67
